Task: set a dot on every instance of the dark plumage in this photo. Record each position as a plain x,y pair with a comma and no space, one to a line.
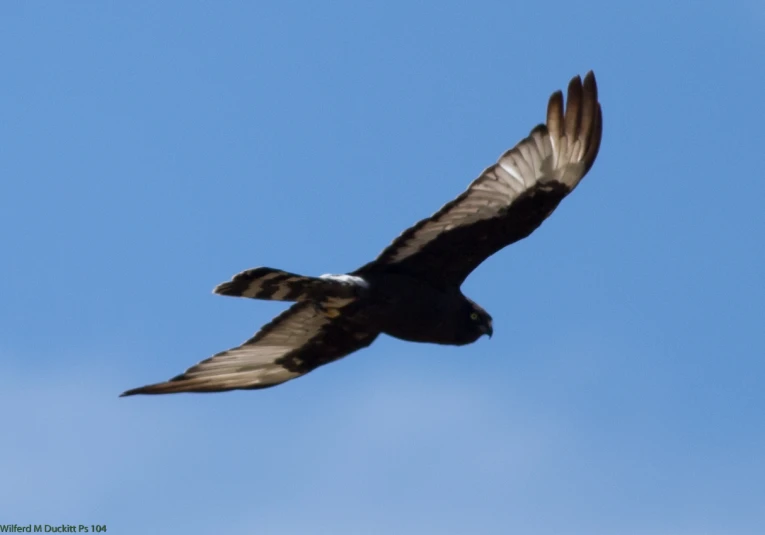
412,290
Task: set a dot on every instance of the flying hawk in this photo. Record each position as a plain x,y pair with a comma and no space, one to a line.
412,290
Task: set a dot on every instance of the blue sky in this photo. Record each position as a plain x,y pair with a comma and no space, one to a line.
149,151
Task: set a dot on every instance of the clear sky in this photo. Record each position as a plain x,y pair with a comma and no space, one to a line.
151,150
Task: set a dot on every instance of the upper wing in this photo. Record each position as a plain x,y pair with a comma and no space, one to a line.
297,341
509,200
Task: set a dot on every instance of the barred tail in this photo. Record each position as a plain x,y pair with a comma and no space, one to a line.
278,285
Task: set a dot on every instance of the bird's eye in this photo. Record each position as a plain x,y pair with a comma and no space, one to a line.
474,316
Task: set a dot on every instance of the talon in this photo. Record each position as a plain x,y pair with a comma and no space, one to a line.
332,312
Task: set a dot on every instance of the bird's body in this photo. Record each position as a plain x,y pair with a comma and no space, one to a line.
411,290
411,309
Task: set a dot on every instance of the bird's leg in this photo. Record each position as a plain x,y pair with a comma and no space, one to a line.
332,312
327,310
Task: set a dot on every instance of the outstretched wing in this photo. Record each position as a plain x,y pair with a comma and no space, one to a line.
297,341
509,200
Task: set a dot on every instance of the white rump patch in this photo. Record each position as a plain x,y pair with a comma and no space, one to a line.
346,279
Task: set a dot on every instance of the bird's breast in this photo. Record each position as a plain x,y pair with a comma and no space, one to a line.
409,309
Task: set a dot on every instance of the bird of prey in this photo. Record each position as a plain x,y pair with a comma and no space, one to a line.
411,290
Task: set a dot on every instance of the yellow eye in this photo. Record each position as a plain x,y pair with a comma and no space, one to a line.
474,316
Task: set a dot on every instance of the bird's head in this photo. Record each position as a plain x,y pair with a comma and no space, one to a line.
477,321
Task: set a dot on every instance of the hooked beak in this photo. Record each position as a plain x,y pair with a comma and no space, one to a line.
487,329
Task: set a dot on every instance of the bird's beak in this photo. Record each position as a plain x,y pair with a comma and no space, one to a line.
488,329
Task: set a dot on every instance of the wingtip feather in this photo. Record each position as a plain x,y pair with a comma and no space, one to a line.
573,113
148,389
590,85
555,112
596,136
576,128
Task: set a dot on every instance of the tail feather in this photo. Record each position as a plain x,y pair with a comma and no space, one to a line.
278,285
